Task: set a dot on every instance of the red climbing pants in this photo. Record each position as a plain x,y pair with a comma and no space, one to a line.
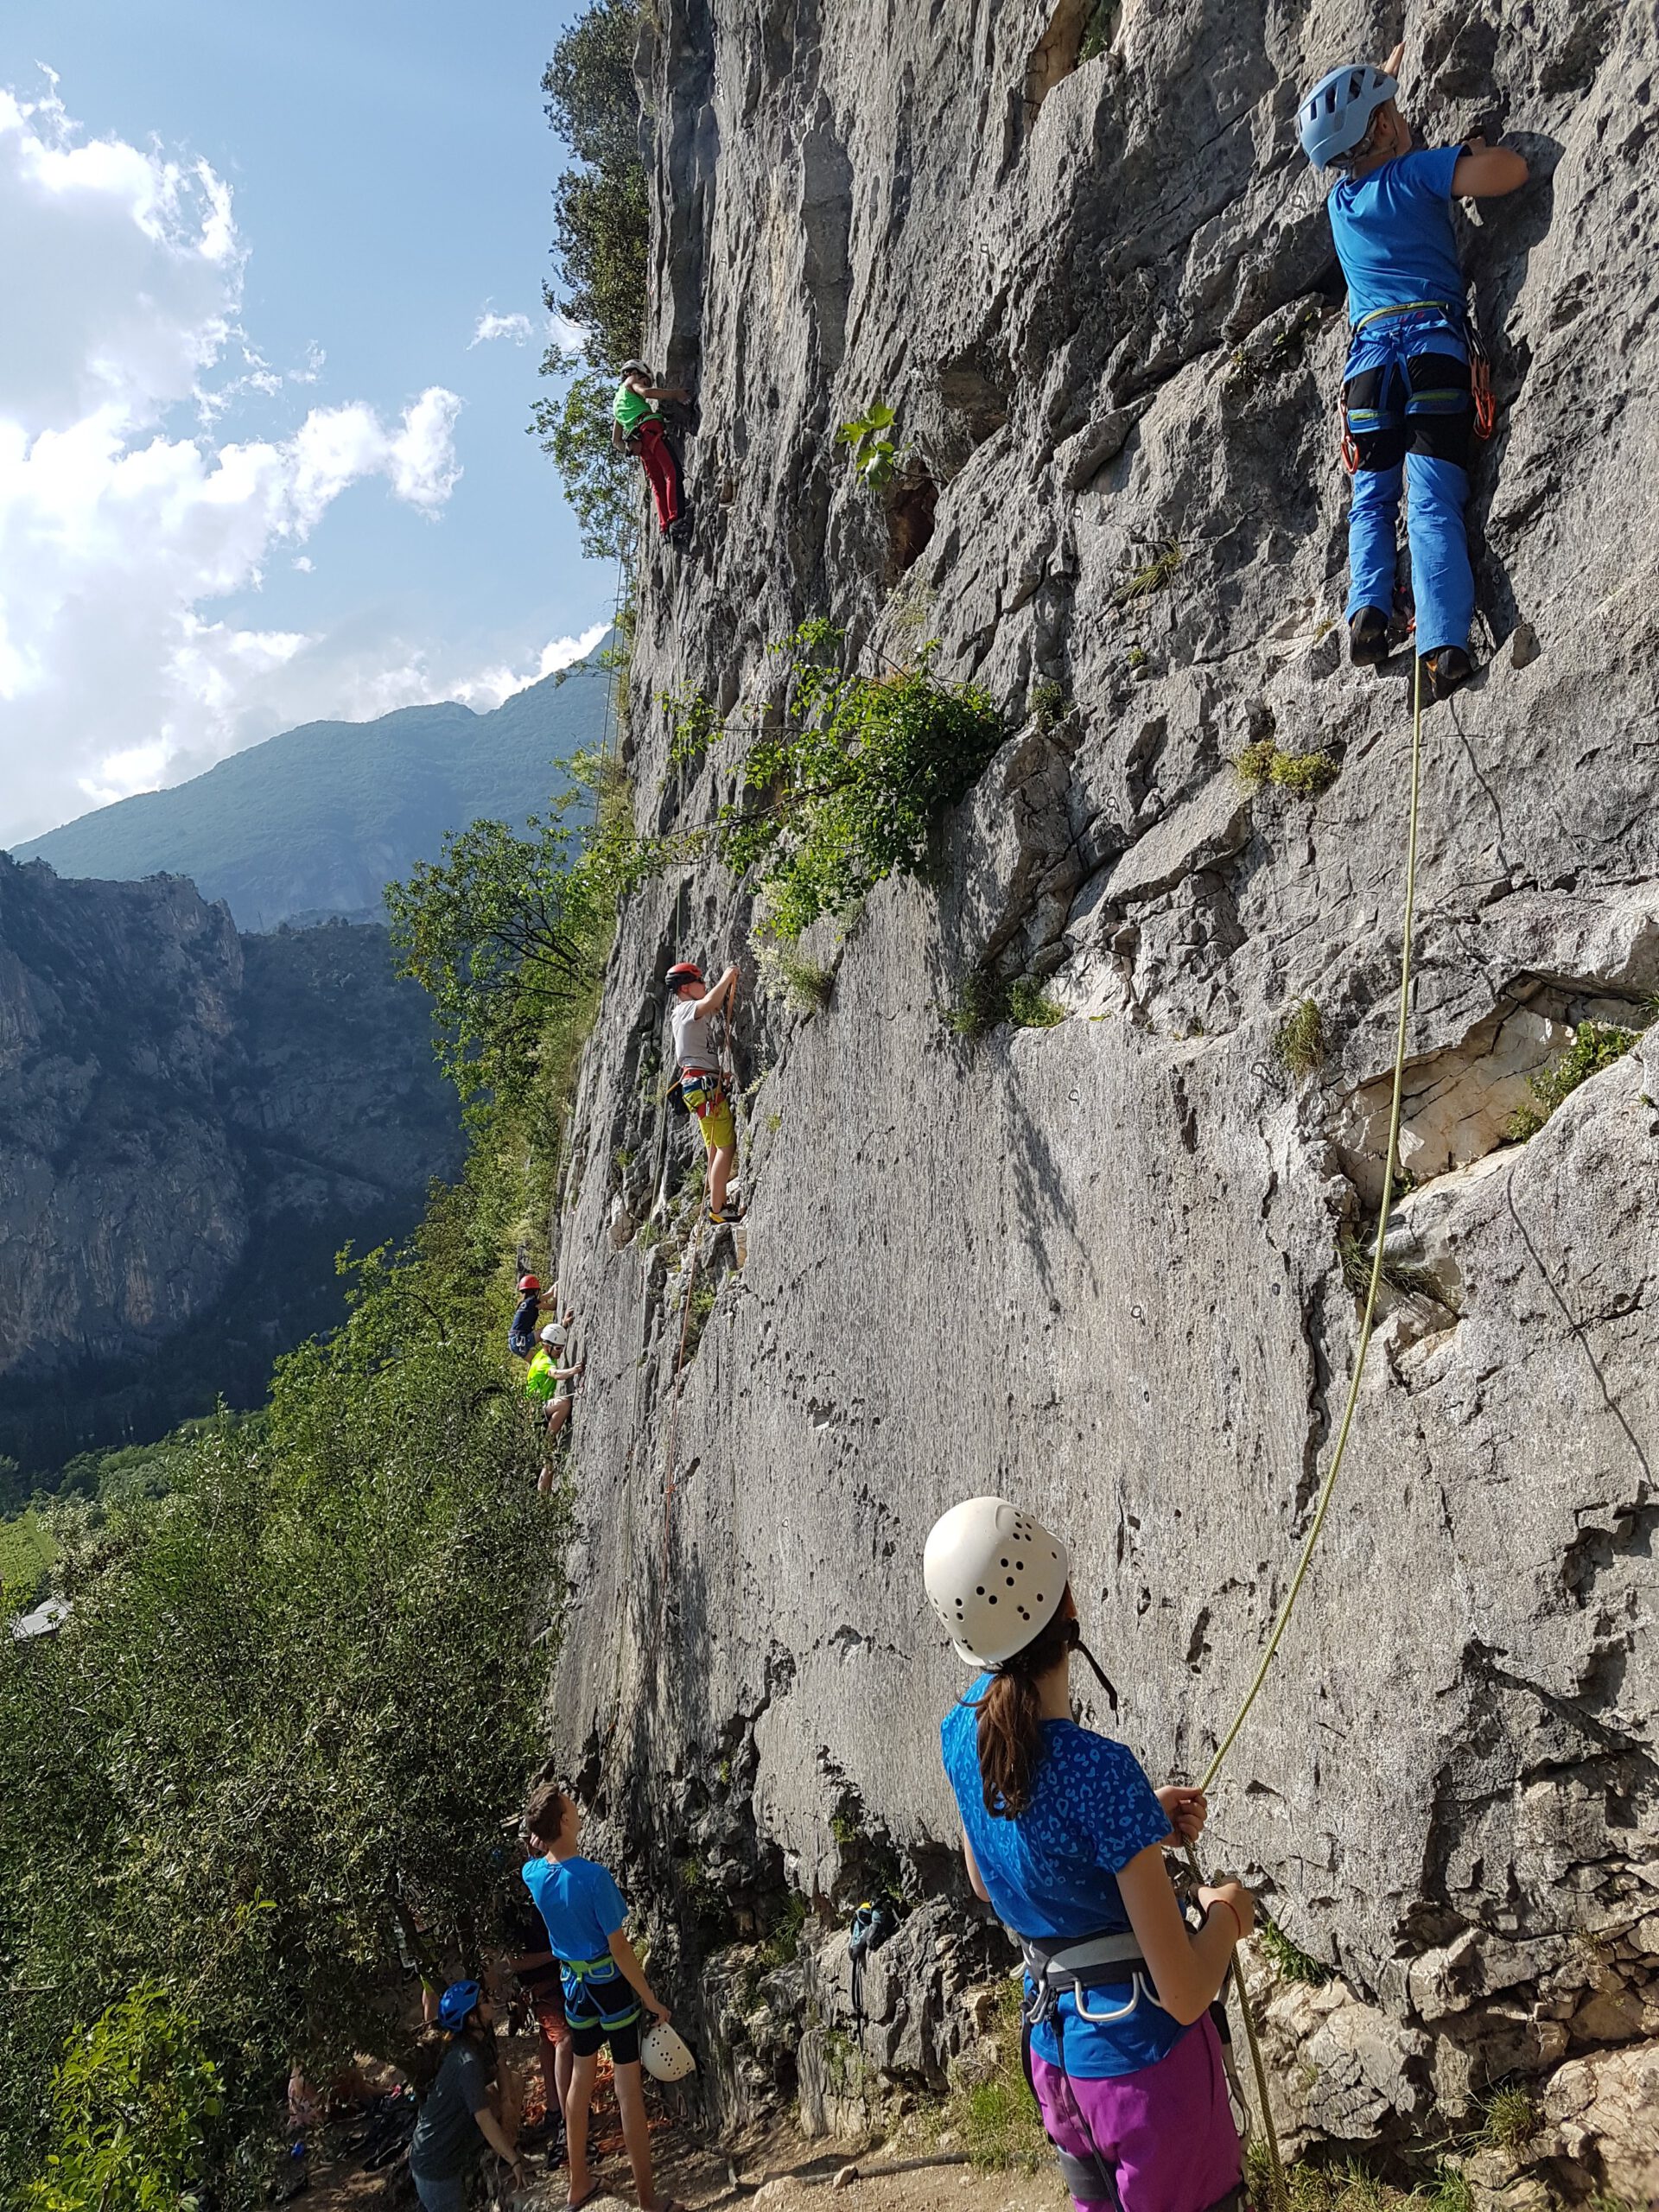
662,472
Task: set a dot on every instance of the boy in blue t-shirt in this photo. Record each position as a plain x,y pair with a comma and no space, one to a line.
1408,406
604,1985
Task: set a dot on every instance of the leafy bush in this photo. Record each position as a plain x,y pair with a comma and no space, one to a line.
875,453
1030,1006
27,1552
693,726
1298,1041
1305,775
786,973
1595,1046
135,2103
1099,29
846,791
1290,1962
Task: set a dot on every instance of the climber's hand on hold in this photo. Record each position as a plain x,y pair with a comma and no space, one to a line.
1188,1809
1392,66
1231,1897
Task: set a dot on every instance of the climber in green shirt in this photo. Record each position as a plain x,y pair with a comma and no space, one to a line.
547,1383
638,425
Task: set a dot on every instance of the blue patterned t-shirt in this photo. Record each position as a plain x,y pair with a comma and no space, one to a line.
1052,1872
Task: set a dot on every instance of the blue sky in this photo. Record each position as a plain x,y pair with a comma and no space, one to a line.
388,170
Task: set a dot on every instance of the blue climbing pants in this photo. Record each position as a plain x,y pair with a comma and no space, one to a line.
1408,407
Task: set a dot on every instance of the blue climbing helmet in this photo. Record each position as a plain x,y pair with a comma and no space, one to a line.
458,2004
1335,115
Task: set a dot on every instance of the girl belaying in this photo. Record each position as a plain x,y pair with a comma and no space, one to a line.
637,424
1407,400
1064,1838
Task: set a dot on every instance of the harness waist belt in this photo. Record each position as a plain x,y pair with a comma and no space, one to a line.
1077,1961
1406,306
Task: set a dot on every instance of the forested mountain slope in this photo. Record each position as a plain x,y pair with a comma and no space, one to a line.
1103,1265
319,820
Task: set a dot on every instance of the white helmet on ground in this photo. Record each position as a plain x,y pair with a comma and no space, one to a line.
666,2054
995,1576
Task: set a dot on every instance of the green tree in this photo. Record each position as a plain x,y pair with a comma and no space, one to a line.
292,1699
504,936
600,480
135,2103
602,242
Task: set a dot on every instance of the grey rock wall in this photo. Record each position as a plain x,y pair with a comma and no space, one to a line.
1096,1265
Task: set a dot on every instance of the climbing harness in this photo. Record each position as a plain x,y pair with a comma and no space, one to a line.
1480,373
591,1976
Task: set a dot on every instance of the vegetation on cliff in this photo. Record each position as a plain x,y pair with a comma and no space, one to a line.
601,225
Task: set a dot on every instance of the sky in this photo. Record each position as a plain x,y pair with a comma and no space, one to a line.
273,322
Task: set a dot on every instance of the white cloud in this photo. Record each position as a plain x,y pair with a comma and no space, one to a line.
490,325
121,269
491,685
562,335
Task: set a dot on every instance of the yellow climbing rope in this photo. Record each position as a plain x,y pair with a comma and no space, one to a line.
1280,2194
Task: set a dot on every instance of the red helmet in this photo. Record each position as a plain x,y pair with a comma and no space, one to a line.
684,971
529,1283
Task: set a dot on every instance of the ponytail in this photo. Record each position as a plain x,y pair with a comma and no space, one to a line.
1010,1725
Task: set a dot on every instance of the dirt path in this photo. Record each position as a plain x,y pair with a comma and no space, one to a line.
780,2173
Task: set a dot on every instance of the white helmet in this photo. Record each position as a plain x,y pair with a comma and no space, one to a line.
552,1334
666,2054
995,1576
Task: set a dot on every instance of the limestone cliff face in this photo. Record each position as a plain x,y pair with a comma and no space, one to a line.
191,1123
1096,1265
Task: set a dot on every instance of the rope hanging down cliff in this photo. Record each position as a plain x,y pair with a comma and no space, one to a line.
1327,1489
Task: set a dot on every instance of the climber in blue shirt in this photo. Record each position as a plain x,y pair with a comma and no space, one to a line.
605,1986
1407,405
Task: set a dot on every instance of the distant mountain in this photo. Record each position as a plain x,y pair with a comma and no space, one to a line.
191,1123
316,822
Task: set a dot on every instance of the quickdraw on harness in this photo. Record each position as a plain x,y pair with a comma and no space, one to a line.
1077,1964
1480,374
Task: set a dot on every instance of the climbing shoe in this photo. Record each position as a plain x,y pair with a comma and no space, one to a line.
728,1213
1368,638
1444,670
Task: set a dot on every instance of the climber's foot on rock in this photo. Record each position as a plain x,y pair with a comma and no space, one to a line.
1368,638
1445,669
